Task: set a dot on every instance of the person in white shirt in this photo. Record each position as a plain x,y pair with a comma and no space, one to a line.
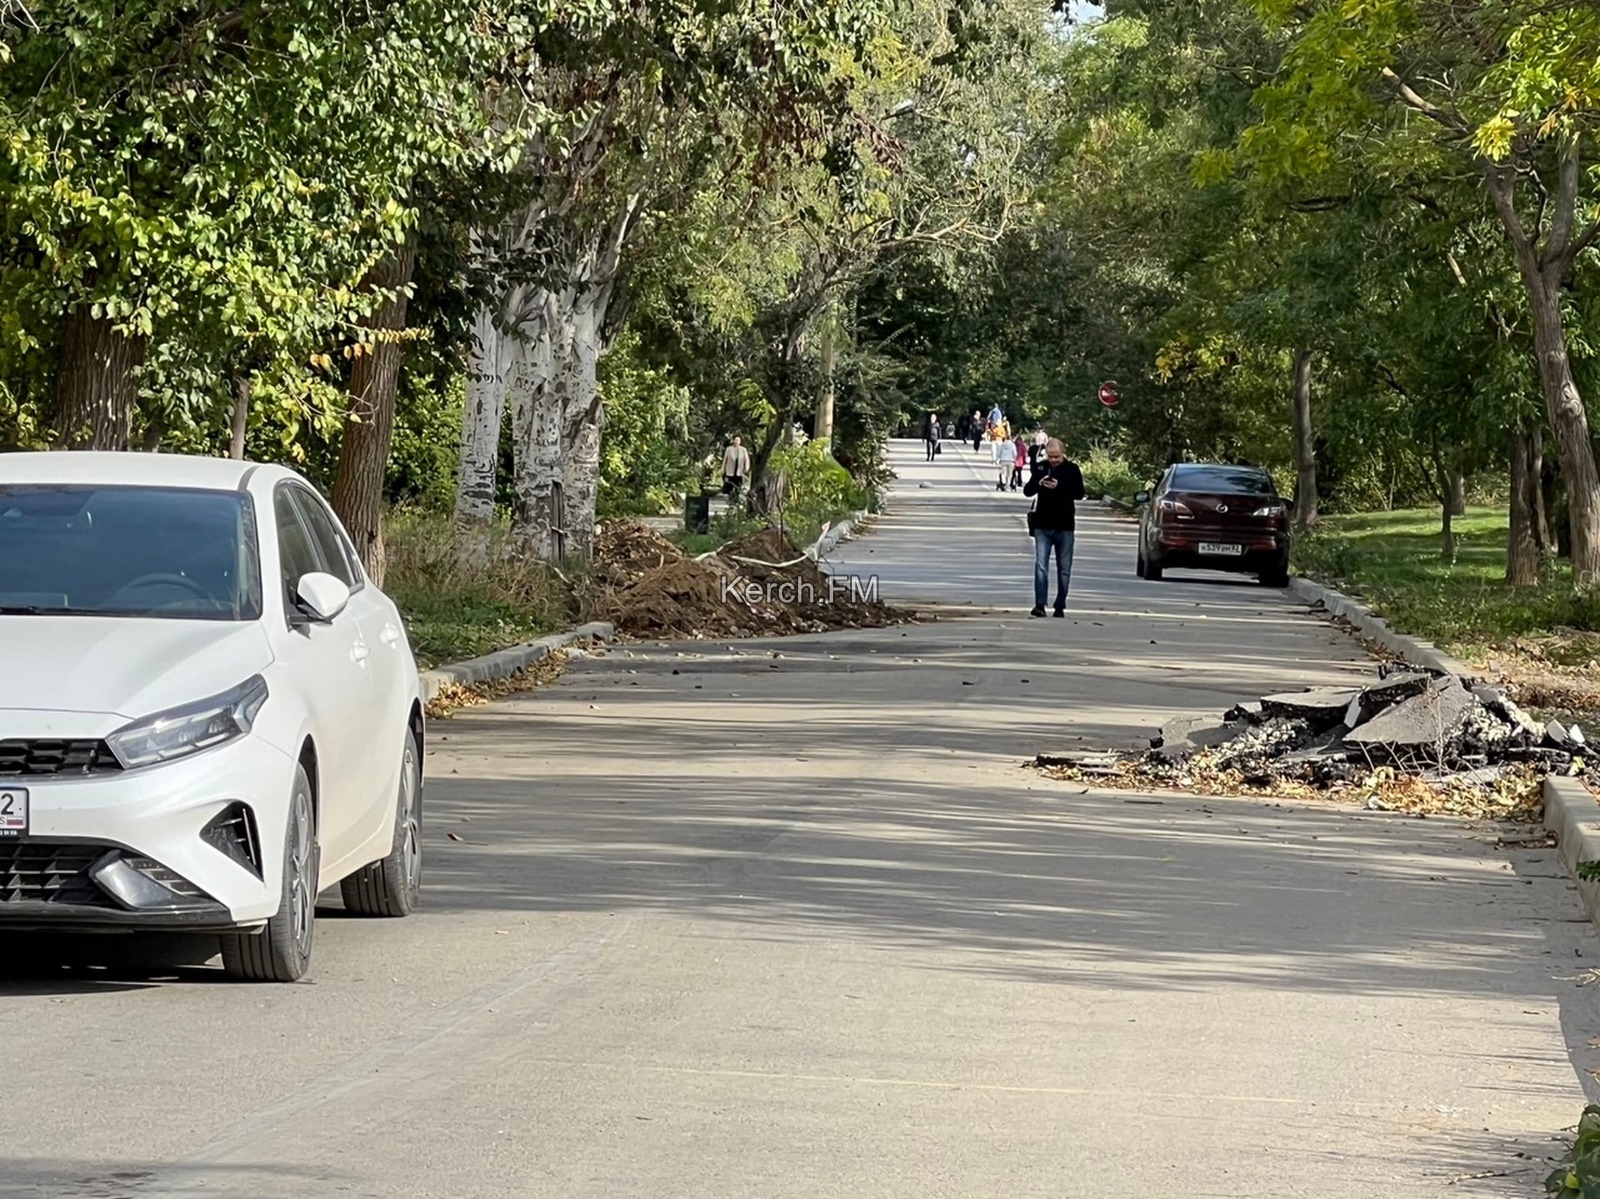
735,466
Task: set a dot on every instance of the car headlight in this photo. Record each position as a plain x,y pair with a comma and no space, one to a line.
178,732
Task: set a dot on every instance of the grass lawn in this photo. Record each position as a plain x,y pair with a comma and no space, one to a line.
1391,560
454,610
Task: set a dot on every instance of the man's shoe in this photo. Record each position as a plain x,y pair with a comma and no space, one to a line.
1060,612
1039,611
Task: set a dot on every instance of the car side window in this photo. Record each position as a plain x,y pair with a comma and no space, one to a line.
331,547
297,554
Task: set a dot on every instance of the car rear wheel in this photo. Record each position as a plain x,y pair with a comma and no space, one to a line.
281,952
1152,571
1277,577
389,887
1139,566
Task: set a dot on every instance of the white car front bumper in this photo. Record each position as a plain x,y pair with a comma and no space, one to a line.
193,844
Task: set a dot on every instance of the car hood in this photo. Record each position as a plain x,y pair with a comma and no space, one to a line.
129,667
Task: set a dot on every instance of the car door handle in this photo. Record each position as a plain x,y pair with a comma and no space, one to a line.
390,634
360,652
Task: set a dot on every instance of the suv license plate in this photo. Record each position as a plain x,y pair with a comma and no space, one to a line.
1221,549
13,811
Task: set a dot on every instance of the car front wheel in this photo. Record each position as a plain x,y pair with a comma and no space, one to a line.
389,887
281,952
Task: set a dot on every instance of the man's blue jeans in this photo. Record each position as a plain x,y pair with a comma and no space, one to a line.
1043,541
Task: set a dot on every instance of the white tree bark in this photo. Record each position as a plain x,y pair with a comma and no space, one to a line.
584,419
488,374
540,389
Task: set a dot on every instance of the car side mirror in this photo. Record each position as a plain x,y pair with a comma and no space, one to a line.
322,596
1141,497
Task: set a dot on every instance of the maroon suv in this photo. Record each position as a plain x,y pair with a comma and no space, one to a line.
1208,516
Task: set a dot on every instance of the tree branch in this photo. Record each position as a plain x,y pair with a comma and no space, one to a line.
1501,192
1566,202
1428,109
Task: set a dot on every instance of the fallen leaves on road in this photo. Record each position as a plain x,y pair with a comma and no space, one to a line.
1515,796
452,697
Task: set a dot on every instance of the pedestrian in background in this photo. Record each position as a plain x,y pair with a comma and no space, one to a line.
930,434
978,430
1002,453
735,466
1021,461
1057,485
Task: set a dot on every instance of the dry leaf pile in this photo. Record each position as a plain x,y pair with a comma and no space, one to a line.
452,697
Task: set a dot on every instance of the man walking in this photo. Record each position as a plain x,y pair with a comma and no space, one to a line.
977,430
1056,485
735,466
930,434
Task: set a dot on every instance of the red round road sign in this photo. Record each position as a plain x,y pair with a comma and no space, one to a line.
1109,395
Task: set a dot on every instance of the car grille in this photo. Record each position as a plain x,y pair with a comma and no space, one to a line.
41,872
42,756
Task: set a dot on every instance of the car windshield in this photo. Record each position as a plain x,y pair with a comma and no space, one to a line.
169,552
1229,480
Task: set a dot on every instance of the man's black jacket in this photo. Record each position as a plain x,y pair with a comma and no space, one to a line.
1055,507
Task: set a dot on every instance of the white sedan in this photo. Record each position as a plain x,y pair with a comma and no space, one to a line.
210,711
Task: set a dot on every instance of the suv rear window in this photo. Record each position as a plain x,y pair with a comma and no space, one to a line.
1229,480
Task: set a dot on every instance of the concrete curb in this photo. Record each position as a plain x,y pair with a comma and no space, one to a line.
1573,816
506,662
837,533
1412,649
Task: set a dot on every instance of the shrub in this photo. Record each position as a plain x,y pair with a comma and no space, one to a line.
1578,1175
1106,474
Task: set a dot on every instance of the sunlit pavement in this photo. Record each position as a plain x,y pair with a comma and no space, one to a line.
701,921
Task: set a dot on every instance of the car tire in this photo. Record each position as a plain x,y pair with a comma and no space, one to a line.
1152,571
1138,565
389,887
1275,578
281,952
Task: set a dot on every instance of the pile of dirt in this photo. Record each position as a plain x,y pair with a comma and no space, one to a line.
786,576
1413,739
762,585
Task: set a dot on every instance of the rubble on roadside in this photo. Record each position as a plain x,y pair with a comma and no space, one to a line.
1412,739
762,585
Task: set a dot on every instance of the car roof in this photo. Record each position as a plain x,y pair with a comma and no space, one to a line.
137,469
1238,466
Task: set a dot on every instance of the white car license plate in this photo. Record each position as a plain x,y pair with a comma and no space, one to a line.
1208,548
13,811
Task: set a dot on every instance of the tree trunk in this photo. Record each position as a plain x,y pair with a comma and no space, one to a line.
765,497
825,400
540,382
488,373
1458,493
583,422
1522,545
369,428
95,388
1305,455
1542,280
1542,479
1570,424
241,417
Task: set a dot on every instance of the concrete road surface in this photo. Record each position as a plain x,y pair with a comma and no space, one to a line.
789,919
